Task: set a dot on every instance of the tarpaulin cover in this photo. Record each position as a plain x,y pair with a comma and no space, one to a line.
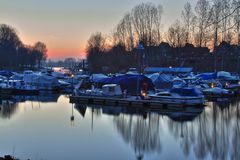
128,82
6,73
161,81
207,76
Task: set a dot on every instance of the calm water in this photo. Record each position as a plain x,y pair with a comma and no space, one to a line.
41,128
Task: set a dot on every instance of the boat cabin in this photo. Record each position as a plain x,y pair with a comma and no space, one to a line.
167,94
186,91
112,90
27,72
16,83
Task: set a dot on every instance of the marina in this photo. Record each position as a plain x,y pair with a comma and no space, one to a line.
120,80
88,107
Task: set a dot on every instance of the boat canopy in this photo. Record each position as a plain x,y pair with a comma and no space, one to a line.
128,82
207,76
186,91
40,79
223,75
6,73
161,81
170,70
112,90
97,77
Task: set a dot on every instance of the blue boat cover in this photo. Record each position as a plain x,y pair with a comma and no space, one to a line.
6,73
128,82
207,76
161,81
167,70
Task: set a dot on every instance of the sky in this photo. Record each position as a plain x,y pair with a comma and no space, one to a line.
65,25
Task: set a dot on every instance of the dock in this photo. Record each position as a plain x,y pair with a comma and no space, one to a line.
124,102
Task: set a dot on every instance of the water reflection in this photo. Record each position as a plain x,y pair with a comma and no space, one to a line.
141,128
208,133
214,133
191,133
9,105
141,133
43,98
7,108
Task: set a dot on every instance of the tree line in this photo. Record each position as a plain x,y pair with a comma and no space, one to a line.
205,25
16,55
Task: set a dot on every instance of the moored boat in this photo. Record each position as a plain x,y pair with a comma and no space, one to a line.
108,90
5,89
21,88
217,92
179,96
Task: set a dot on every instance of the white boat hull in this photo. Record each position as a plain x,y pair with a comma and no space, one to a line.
179,100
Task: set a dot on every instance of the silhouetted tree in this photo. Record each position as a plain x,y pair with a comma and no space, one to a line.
95,49
202,10
188,21
124,33
207,25
176,34
9,43
39,51
145,17
236,20
14,54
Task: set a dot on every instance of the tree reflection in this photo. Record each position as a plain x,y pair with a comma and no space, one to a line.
43,98
7,108
211,132
215,132
142,134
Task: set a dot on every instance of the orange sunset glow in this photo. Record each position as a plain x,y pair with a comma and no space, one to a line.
66,27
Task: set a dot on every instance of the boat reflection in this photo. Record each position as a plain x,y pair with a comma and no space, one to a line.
7,108
215,132
210,132
9,105
141,127
43,98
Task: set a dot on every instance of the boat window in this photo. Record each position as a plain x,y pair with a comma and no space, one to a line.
111,89
164,94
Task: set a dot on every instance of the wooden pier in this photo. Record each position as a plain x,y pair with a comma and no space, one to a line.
124,102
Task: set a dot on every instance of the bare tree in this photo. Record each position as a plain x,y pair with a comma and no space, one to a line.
236,19
143,25
175,34
188,20
158,23
96,43
124,33
9,43
40,52
225,10
202,10
95,48
216,15
144,16
129,30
